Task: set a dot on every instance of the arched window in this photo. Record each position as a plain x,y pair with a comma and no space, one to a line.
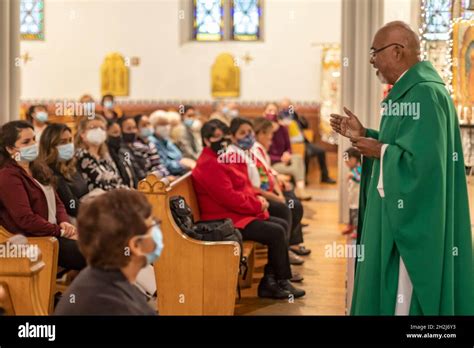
32,19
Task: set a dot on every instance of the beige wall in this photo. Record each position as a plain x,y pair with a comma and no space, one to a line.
80,33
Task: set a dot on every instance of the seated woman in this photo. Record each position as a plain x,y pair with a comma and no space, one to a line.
116,221
93,158
109,110
282,159
265,184
144,151
225,191
28,203
38,116
187,135
57,151
122,155
159,126
272,188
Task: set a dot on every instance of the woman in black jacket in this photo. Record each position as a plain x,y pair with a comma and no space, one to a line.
57,151
122,155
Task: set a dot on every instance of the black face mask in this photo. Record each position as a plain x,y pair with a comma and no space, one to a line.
114,142
219,146
129,137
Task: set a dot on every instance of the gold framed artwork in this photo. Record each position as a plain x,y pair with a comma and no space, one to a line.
225,77
114,75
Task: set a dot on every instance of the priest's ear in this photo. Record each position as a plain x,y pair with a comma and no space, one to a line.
399,53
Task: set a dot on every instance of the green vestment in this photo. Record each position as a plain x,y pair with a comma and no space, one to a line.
423,216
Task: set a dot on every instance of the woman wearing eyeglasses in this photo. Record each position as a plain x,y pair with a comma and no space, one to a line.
93,158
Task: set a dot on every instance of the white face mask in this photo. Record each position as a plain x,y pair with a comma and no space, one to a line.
197,125
163,131
96,136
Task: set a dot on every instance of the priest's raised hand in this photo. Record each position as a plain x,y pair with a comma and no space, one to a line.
348,126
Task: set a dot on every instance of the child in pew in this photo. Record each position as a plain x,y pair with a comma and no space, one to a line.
113,222
29,204
352,160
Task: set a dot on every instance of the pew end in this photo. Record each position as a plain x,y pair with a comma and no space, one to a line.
47,277
19,278
193,277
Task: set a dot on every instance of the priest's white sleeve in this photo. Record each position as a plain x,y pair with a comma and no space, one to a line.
380,182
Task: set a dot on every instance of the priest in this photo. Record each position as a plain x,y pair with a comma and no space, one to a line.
414,214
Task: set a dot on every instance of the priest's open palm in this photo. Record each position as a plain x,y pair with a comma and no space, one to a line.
348,126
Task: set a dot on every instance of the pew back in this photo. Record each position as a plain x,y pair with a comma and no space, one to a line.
19,277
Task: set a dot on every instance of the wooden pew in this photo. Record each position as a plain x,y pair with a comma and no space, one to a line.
20,279
47,278
193,277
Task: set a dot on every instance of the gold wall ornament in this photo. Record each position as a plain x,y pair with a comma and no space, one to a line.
225,77
114,75
26,58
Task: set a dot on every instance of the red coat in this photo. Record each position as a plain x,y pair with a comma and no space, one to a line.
224,191
23,205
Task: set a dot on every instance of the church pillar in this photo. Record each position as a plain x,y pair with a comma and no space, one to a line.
9,60
361,91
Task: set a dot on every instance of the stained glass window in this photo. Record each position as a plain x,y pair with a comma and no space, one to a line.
468,12
246,20
32,19
208,20
437,19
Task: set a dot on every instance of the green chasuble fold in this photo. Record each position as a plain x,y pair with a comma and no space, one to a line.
421,215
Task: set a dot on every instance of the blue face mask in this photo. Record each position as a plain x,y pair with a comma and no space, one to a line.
158,239
247,142
41,116
189,122
146,132
29,153
108,104
66,152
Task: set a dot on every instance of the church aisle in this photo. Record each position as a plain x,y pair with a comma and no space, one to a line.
324,278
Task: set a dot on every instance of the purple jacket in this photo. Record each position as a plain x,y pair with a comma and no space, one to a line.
280,144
